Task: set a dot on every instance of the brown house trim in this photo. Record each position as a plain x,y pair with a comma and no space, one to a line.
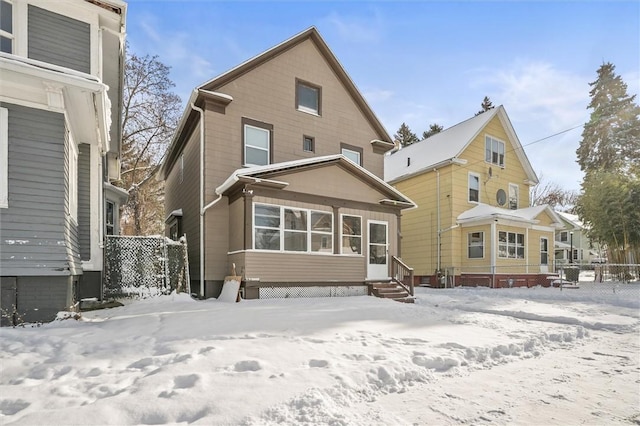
261,125
323,200
312,34
313,86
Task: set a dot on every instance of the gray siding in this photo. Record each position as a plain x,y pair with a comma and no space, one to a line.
59,40
84,200
32,229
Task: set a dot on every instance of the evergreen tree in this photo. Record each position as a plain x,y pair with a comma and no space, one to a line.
433,129
486,105
611,138
404,136
609,154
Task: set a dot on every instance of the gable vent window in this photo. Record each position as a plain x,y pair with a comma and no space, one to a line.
308,97
308,144
494,151
6,27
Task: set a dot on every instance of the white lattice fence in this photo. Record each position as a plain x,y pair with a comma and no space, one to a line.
306,291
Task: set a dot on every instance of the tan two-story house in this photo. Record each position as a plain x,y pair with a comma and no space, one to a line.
277,168
474,224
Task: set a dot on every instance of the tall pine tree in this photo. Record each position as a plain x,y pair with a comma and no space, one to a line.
609,155
611,138
486,105
404,136
433,129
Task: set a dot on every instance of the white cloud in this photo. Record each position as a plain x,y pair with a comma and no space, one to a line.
357,29
542,100
538,91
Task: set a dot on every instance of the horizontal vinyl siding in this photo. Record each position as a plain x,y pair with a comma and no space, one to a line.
185,195
84,200
59,40
32,229
291,267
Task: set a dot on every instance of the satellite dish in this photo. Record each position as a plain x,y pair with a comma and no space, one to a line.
501,197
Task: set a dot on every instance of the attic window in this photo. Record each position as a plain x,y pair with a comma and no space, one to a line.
494,151
308,97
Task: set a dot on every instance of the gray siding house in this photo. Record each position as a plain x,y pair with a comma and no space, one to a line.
61,68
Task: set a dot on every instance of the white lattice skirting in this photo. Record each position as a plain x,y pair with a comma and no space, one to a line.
325,291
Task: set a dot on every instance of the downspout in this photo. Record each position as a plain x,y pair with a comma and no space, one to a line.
203,208
439,242
493,253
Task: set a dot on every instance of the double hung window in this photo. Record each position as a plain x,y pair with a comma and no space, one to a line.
476,245
494,151
474,188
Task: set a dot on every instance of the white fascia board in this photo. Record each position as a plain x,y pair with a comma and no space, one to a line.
455,160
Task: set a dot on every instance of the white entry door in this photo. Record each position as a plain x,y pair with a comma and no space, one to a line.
378,253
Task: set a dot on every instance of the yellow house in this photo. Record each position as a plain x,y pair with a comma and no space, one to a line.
474,224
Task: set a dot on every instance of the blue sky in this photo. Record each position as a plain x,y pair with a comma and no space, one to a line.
422,62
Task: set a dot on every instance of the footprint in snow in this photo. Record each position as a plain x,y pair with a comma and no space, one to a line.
248,365
185,382
318,363
9,407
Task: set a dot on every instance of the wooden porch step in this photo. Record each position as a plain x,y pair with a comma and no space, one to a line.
390,290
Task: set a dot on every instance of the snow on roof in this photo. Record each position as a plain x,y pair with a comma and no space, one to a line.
573,218
485,211
430,152
256,170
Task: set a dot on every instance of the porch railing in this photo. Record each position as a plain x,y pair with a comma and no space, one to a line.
402,274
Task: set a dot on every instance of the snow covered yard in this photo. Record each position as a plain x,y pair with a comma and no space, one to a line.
458,356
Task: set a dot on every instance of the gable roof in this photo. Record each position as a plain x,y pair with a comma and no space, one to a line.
259,174
210,88
446,147
572,220
526,215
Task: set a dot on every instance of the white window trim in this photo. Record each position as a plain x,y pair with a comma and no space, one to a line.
281,230
73,178
343,150
517,192
469,187
544,238
508,244
4,158
469,245
361,254
267,149
504,148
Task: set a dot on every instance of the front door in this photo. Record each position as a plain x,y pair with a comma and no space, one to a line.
378,263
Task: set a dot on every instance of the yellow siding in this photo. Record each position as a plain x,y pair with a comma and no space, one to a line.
475,266
419,226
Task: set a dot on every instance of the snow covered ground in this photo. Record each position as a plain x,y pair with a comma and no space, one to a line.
457,356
